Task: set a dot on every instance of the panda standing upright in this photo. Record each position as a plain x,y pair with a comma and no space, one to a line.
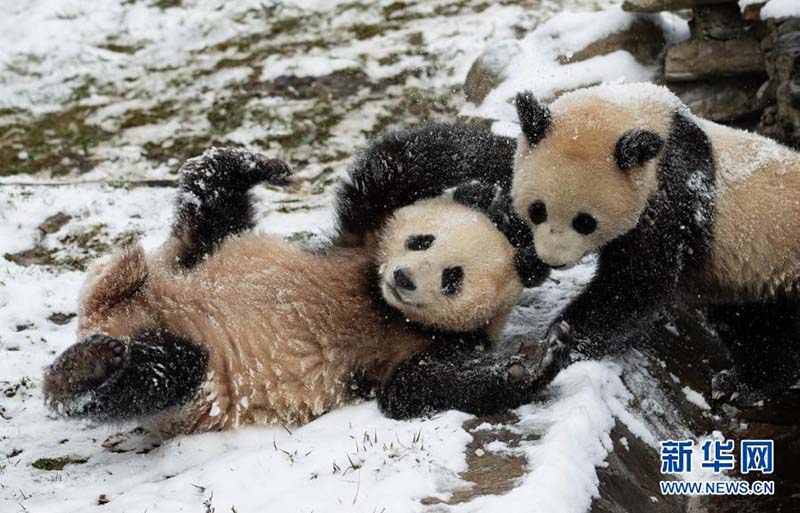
674,205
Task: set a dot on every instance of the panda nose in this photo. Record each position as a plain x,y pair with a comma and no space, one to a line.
402,280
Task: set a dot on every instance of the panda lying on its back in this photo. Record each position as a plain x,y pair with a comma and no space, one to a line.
262,331
673,203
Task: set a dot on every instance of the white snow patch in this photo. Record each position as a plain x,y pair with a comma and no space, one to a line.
780,9
536,67
696,398
304,66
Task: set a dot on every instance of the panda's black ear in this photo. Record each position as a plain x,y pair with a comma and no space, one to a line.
534,117
636,147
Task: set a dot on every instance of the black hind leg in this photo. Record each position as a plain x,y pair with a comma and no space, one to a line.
112,380
214,200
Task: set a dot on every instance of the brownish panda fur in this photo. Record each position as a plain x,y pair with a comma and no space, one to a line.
287,330
756,248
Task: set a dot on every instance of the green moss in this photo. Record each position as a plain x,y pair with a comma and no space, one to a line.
227,114
393,8
83,91
392,58
127,238
451,9
58,463
59,141
166,4
284,25
118,48
88,239
415,106
161,112
181,148
368,31
311,126
416,39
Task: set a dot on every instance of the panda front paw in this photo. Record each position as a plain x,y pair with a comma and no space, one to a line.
545,358
477,195
224,169
728,387
83,367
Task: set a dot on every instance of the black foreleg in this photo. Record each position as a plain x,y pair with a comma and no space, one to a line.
475,381
213,198
404,166
633,279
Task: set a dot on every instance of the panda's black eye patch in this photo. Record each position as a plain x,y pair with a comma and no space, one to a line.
419,242
584,223
452,280
537,212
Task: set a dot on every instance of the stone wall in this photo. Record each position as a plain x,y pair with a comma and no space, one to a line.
736,68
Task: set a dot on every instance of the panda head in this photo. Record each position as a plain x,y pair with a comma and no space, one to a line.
445,265
585,167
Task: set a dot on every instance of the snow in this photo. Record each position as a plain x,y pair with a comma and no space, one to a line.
774,8
72,51
537,67
575,428
696,398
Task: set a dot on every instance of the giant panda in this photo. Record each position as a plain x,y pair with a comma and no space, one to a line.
675,206
216,330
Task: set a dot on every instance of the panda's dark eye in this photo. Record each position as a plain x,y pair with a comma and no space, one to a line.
584,223
419,242
452,280
538,212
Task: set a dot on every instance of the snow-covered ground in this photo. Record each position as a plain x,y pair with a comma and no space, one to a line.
96,97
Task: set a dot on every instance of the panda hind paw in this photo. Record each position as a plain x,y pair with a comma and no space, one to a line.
84,367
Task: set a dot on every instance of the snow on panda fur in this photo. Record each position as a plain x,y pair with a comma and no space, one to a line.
674,204
262,331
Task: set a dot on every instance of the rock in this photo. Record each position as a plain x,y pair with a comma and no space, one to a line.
333,86
488,70
697,60
54,223
33,256
643,39
630,478
719,22
752,12
61,318
667,5
723,100
793,90
782,61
